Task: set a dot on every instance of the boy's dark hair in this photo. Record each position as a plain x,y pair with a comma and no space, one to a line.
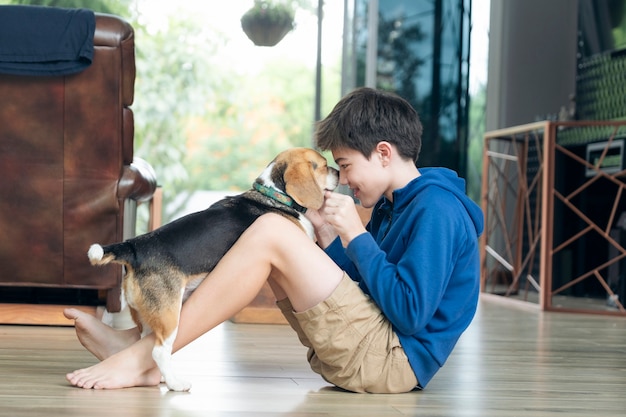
365,117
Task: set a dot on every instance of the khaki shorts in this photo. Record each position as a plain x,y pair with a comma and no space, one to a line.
351,343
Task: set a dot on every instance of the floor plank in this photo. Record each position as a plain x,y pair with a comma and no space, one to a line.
32,314
512,361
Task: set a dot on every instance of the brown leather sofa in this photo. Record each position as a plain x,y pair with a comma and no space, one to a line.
67,169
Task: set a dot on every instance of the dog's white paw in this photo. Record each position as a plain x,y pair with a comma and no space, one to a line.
175,384
162,355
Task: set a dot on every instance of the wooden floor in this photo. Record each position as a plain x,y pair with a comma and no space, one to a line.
512,361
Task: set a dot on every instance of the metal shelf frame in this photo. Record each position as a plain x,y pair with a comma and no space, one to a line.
519,194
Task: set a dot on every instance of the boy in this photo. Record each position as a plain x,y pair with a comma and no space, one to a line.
379,309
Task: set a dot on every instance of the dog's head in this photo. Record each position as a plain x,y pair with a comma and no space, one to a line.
301,173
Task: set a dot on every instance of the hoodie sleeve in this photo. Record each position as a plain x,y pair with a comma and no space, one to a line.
411,276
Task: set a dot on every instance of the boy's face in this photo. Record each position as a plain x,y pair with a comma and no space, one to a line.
365,177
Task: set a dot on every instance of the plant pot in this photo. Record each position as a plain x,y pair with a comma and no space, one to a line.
262,30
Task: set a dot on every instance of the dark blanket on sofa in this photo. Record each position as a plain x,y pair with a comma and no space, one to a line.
37,40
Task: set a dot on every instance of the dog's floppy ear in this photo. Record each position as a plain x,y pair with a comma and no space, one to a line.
300,184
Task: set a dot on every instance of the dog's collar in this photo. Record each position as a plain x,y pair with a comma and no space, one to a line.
279,196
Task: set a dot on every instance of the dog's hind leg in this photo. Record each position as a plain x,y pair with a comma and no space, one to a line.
165,328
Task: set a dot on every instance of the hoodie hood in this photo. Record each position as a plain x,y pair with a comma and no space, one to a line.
439,177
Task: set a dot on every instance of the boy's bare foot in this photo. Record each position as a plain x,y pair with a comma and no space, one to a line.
98,338
131,367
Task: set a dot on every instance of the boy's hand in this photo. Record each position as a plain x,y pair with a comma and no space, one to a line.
340,212
315,217
324,233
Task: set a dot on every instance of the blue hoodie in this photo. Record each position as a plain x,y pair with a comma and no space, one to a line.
420,264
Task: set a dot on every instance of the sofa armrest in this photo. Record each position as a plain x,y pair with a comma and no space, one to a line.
138,181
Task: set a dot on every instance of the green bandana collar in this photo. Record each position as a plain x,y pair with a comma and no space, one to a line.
279,196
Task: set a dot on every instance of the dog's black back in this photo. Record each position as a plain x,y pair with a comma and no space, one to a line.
195,243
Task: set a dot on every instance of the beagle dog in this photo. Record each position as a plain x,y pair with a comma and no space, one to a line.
164,266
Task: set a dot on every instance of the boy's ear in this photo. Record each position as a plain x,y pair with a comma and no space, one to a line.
384,150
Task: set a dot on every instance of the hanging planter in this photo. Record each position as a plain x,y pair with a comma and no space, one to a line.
267,23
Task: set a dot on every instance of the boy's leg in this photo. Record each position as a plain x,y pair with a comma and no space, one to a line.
272,246
99,338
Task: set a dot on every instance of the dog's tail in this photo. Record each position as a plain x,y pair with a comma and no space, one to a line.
121,253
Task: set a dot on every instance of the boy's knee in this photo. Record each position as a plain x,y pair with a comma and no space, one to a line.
272,223
270,228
